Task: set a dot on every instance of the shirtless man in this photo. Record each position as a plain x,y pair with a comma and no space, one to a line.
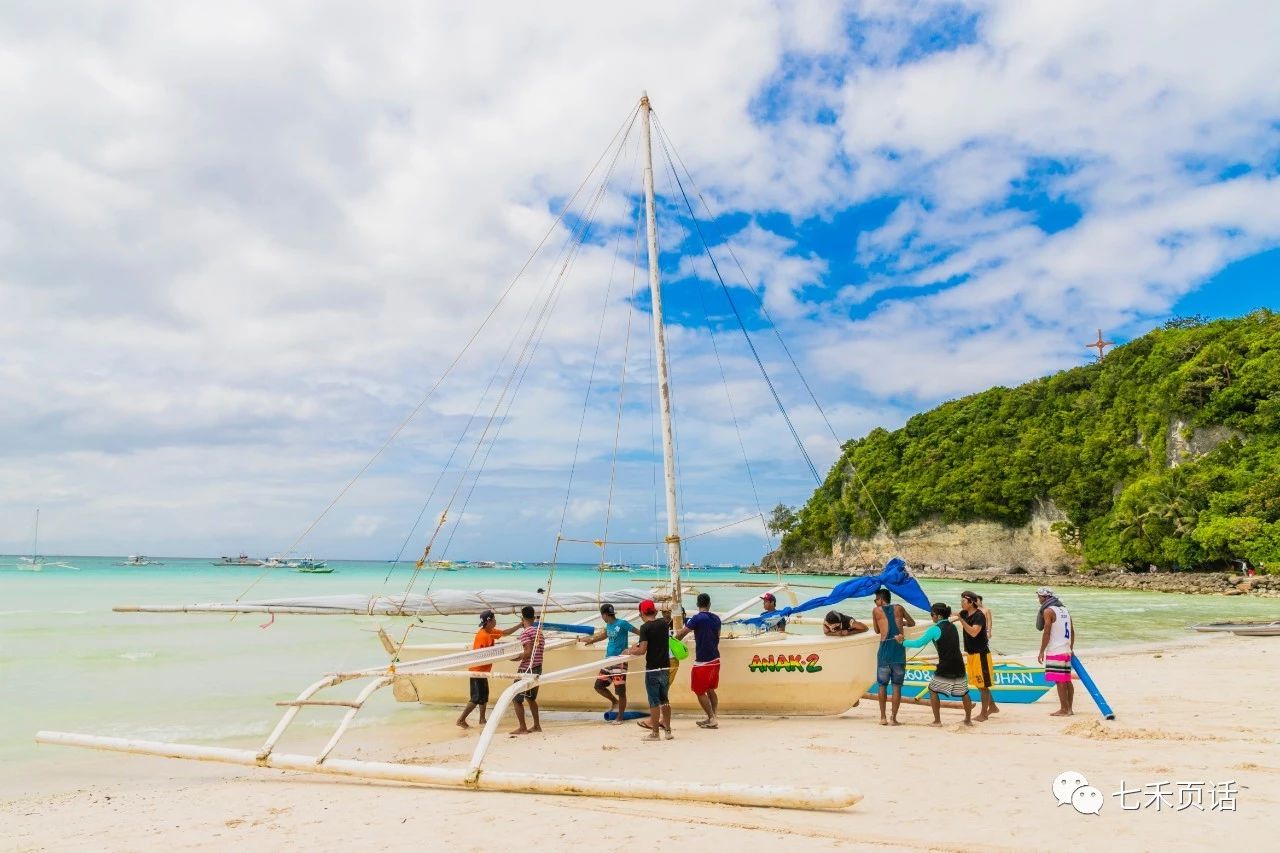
888,621
986,612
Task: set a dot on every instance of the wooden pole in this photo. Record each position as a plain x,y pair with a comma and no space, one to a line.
674,555
771,796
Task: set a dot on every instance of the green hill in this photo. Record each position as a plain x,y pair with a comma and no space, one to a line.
1167,452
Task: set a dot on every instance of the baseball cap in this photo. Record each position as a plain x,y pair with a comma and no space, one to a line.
968,595
606,609
768,596
486,616
1045,591
648,606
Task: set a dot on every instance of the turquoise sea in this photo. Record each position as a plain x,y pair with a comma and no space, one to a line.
68,662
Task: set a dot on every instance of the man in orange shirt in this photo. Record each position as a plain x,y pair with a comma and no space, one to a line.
485,637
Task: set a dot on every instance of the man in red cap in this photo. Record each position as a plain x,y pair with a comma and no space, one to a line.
655,646
770,605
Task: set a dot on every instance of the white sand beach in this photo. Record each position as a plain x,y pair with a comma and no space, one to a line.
1199,710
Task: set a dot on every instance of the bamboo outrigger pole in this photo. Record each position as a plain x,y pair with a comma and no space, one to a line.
674,556
490,780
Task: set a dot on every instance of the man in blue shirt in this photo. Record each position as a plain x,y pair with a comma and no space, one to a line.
615,630
705,675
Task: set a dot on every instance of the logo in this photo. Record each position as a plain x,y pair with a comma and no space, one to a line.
785,663
1071,788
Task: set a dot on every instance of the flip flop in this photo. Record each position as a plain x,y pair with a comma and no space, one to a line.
703,724
644,724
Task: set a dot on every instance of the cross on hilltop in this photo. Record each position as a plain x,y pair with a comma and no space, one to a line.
1100,345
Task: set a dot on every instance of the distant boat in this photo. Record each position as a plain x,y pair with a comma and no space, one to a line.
242,560
1241,629
613,567
310,565
36,562
1272,630
138,560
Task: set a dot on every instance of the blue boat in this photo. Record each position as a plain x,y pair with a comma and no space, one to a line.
1015,683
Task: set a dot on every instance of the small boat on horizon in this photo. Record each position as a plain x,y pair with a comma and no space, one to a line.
310,565
242,560
137,560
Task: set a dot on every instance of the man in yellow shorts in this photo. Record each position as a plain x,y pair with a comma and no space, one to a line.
977,652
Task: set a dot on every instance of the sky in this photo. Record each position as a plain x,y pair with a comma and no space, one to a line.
241,242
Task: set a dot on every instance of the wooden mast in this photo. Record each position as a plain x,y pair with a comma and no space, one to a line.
674,556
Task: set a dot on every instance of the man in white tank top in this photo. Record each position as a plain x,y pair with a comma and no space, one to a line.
1057,643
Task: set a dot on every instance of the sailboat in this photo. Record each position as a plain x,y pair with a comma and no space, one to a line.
35,562
138,560
761,672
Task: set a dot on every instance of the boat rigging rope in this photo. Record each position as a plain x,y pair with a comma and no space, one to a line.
623,130
617,432
724,382
741,323
665,141
524,360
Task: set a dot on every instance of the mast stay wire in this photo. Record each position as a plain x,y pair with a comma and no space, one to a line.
724,382
519,370
595,356
617,432
742,323
665,139
475,414
626,124
524,359
572,243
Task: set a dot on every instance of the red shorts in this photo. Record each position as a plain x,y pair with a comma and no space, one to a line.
615,675
704,677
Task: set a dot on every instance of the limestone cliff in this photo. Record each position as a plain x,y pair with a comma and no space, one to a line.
1034,546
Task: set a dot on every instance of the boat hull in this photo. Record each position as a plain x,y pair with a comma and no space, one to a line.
771,673
1015,683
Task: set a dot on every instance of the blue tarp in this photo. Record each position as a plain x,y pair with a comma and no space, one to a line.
894,578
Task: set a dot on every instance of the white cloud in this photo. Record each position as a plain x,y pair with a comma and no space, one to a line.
236,246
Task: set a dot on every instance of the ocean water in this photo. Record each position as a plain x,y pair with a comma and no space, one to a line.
67,662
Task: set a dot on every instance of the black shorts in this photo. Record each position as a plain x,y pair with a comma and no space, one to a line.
479,691
532,693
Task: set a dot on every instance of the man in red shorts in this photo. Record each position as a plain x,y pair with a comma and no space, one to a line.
705,675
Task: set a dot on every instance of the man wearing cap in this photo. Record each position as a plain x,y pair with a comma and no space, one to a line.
770,605
705,675
615,630
1057,644
655,645
485,637
532,644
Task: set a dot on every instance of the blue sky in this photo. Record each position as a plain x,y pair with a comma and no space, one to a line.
239,246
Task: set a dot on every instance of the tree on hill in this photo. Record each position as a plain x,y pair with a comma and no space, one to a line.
1098,441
